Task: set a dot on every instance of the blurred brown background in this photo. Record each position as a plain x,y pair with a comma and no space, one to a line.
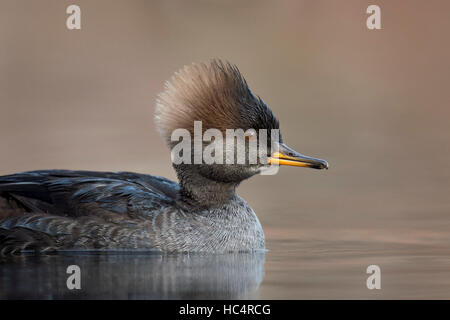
375,104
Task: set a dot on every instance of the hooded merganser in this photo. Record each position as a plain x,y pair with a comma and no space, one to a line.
61,210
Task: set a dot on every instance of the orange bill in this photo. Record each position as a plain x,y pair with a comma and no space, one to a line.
286,156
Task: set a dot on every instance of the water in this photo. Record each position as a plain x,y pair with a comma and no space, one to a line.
133,276
293,269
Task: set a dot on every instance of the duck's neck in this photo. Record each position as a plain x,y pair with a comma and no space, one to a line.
201,191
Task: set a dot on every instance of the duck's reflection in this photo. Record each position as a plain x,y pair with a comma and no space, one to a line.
133,276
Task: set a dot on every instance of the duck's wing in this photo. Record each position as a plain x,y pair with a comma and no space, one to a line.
48,210
86,193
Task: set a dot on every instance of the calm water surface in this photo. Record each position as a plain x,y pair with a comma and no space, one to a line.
292,269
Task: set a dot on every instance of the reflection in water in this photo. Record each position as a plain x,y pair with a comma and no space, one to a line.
133,276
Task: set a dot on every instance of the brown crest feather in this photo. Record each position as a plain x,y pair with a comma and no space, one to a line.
212,92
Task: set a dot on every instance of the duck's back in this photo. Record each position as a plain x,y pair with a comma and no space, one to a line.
59,208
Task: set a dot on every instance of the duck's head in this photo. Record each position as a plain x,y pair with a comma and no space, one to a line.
204,101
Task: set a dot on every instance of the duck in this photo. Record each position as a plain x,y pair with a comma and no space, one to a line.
48,211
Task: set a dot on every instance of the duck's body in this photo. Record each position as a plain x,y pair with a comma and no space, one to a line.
58,209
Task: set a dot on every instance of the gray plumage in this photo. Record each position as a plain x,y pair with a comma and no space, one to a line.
58,209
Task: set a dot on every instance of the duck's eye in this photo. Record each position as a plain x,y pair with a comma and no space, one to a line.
250,134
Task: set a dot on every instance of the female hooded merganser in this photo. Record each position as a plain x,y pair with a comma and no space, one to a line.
63,210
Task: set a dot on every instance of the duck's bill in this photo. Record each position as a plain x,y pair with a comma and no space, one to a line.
285,156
